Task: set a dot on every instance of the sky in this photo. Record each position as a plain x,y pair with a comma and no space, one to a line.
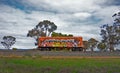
77,17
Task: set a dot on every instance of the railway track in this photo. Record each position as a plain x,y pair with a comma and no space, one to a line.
58,53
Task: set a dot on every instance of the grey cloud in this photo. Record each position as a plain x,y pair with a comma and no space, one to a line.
66,6
113,2
14,23
71,17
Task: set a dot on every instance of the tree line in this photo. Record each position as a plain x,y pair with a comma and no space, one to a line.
110,34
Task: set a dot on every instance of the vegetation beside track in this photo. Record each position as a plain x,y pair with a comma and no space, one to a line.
59,65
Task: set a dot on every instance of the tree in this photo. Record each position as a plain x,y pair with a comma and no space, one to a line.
55,34
86,45
70,35
111,33
8,41
101,46
35,34
47,27
108,36
116,26
43,29
92,43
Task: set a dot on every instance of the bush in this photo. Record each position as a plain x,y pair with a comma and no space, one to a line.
14,48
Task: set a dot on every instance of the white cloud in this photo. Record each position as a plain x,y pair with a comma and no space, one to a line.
86,31
71,17
16,22
106,14
66,5
82,15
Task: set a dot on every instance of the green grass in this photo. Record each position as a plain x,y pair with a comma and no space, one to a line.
40,65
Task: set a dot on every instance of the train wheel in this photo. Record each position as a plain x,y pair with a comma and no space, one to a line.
41,49
81,49
46,49
77,49
73,49
49,49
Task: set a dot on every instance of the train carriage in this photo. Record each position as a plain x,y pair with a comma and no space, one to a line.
60,43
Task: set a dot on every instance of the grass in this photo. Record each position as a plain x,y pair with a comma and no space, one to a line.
42,65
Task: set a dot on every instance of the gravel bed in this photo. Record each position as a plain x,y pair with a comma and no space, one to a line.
55,53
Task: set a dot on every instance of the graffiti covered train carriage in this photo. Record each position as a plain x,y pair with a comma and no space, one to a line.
60,43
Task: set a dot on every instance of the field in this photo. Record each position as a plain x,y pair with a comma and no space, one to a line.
59,65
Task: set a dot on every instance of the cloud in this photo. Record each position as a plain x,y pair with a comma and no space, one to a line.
13,23
79,17
112,2
16,22
82,15
106,14
64,6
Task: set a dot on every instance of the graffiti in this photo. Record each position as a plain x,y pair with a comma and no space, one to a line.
60,43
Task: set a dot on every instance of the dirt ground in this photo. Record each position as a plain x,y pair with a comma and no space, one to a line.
77,57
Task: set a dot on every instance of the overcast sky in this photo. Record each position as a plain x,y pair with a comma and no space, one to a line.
77,17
